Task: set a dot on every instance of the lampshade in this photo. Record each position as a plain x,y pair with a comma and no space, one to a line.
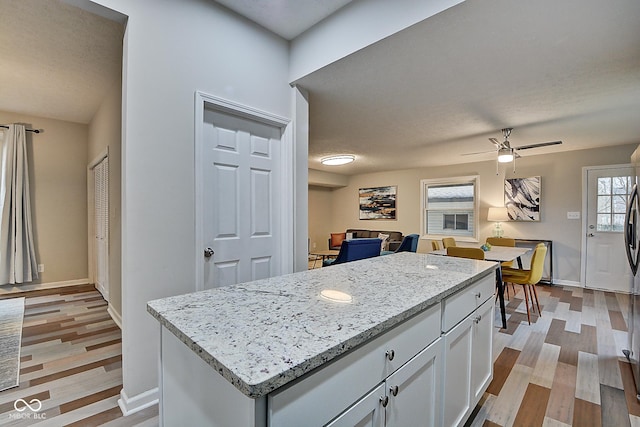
342,159
498,214
505,155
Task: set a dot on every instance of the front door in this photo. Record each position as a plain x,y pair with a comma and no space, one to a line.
241,204
605,258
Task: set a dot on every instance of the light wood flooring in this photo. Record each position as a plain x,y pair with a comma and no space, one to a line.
566,368
71,361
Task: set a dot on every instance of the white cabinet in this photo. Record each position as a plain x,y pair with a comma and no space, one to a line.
428,370
414,390
368,412
410,395
468,363
482,354
319,397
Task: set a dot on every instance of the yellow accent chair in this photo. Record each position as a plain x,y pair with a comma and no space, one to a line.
465,252
448,241
528,278
504,241
435,245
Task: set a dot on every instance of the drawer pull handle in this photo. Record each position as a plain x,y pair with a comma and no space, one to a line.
394,390
477,319
391,354
385,401
479,295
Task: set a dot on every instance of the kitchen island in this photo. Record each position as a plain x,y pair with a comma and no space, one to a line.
399,337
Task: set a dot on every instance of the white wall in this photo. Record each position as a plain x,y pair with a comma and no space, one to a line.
105,131
172,49
354,27
561,176
320,212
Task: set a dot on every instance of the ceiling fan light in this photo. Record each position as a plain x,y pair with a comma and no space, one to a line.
342,159
505,155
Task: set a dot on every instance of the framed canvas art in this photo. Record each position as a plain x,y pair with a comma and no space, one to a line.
522,198
378,203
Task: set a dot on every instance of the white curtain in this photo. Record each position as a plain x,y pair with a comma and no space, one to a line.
17,252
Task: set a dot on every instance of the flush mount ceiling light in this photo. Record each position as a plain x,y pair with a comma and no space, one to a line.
505,155
342,159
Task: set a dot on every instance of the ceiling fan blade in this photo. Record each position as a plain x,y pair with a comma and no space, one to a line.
541,144
478,152
496,142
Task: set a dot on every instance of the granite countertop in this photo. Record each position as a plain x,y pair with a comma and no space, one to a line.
263,334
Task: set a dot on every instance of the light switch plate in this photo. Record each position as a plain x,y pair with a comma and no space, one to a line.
573,215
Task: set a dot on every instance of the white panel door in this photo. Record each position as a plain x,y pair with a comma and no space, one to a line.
241,202
605,258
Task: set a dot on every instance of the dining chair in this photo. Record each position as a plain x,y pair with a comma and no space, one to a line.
504,241
465,252
528,278
448,241
435,245
409,244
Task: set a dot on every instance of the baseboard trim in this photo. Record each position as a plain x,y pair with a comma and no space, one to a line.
131,405
115,316
25,287
567,283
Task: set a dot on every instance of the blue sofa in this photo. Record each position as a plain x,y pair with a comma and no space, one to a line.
352,250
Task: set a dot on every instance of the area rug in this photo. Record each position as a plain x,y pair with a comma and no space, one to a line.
11,316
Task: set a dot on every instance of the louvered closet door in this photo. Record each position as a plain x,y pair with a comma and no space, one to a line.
101,228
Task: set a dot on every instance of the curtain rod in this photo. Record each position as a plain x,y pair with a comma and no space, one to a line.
28,130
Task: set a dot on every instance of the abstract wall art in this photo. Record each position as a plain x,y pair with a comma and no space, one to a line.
522,198
378,203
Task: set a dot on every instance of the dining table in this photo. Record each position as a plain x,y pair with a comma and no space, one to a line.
499,254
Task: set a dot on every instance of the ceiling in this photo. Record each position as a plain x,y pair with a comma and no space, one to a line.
566,70
552,70
58,61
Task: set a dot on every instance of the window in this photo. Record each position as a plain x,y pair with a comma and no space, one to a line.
450,208
613,192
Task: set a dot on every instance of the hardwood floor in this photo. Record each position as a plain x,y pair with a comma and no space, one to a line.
566,368
71,361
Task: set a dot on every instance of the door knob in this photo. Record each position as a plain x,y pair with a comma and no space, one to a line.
208,253
590,234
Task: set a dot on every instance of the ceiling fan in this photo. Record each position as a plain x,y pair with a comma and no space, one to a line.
506,153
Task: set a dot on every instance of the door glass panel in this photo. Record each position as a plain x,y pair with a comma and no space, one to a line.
619,204
618,222
604,204
612,202
604,185
620,185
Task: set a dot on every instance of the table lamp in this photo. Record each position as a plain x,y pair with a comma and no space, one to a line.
498,215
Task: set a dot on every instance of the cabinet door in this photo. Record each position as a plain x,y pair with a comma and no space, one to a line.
482,360
414,390
457,374
367,412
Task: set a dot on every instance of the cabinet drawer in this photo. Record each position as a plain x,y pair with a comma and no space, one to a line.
459,305
317,398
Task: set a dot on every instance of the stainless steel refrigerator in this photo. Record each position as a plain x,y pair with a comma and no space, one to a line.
632,246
